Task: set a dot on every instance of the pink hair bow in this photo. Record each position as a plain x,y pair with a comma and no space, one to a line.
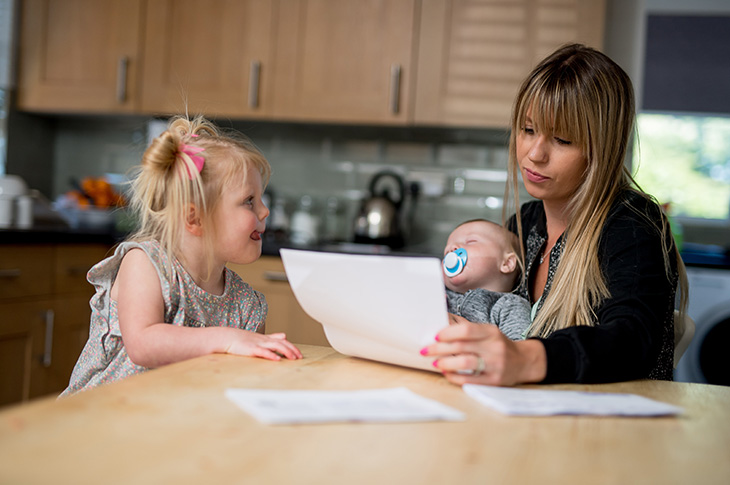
192,153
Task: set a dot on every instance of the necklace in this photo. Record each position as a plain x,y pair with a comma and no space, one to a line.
546,251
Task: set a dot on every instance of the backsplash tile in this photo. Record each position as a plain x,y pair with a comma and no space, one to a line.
461,173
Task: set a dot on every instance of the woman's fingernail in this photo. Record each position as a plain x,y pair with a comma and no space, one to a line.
424,351
437,338
436,364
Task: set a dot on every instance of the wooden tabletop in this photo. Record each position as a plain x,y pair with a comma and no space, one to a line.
174,425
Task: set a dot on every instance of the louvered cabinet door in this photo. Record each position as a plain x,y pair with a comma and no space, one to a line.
473,54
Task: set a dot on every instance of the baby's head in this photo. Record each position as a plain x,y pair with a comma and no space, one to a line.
184,173
489,258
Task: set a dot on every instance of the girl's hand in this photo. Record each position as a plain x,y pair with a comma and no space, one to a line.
273,346
464,347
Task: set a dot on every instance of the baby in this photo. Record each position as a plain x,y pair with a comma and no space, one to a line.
480,269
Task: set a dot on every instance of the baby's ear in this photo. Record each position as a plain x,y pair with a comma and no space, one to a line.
192,221
509,263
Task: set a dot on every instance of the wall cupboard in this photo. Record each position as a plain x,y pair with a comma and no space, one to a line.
79,56
398,62
213,56
474,54
345,60
44,315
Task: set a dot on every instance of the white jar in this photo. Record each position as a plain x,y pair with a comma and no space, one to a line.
24,214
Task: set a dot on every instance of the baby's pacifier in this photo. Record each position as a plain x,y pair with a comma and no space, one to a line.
454,262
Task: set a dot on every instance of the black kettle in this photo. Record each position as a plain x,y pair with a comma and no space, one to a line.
379,219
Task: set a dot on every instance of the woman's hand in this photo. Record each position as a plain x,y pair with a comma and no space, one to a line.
464,347
273,346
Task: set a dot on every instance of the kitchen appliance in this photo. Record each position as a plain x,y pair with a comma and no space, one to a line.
705,360
304,225
379,219
16,206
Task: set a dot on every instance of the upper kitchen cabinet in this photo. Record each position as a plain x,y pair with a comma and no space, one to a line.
79,55
474,54
345,61
211,57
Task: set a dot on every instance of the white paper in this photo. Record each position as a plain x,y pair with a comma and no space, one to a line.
373,405
384,308
535,402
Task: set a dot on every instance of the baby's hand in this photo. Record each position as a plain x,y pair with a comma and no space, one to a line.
272,347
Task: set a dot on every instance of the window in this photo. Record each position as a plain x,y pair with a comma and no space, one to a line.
684,160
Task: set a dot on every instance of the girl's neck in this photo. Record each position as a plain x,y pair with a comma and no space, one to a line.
210,278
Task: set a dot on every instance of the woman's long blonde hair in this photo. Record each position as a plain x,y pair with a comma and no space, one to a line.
168,183
580,93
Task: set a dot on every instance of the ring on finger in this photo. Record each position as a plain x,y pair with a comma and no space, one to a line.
481,366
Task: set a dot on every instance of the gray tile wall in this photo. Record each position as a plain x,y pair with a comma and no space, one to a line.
460,173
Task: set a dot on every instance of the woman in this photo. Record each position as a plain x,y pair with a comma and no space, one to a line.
601,267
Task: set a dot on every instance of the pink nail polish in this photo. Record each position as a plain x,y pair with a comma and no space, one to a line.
436,363
424,351
437,338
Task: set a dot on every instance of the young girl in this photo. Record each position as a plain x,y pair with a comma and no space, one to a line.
166,294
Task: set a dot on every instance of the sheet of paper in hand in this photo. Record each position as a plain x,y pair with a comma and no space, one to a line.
383,308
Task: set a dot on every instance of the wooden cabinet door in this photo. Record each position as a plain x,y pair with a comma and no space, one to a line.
79,55
211,57
474,54
22,336
62,344
285,314
344,60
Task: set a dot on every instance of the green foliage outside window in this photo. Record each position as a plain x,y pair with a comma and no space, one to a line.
684,161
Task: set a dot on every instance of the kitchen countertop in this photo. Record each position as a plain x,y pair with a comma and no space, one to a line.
174,425
58,234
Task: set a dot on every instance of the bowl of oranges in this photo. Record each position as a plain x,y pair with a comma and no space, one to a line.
93,203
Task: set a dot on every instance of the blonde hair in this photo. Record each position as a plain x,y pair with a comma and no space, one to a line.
580,93
168,185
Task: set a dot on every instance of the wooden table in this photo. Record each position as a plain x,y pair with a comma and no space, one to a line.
174,425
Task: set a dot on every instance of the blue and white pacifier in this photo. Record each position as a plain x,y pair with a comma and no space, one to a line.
454,262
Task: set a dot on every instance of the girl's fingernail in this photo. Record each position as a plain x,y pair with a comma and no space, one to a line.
437,338
424,351
436,364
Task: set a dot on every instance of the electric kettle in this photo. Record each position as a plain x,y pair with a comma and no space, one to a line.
378,221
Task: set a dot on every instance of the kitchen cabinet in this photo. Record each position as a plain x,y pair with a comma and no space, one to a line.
79,56
387,62
285,315
474,54
208,57
345,60
44,303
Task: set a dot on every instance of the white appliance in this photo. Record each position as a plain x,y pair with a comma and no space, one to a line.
707,359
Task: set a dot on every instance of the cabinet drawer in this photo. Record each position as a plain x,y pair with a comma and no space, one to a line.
265,273
285,314
72,263
26,270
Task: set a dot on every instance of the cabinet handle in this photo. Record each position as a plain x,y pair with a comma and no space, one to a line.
9,273
253,85
395,72
48,350
122,79
275,276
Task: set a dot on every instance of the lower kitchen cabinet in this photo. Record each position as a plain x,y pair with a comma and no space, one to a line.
285,315
44,325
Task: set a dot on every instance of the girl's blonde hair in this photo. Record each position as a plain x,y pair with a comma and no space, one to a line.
169,189
580,93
